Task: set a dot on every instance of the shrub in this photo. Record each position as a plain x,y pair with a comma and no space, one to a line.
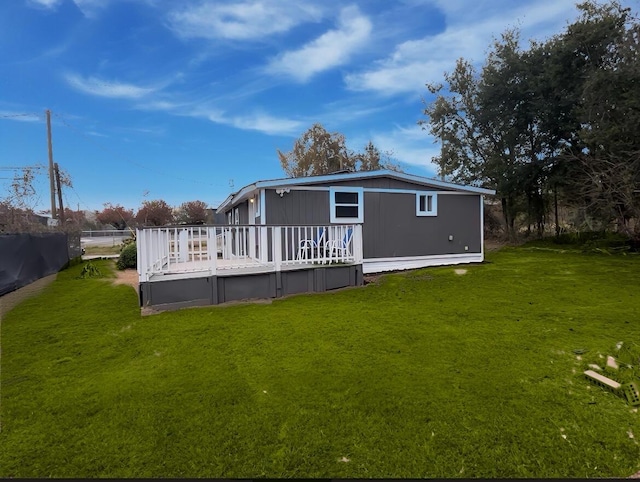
128,257
90,270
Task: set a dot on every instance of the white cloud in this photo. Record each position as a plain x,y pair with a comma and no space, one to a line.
240,21
469,33
255,121
267,124
409,145
331,49
89,8
105,88
50,4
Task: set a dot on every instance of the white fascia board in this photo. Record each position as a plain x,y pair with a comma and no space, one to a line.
224,203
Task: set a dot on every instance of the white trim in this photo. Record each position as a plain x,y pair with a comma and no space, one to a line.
382,190
332,205
263,210
378,265
434,203
482,225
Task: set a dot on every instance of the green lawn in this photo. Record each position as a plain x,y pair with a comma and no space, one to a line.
424,374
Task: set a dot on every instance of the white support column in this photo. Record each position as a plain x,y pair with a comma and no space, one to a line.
183,245
357,243
141,247
277,247
212,249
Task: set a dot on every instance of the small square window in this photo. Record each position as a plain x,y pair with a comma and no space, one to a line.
346,204
426,204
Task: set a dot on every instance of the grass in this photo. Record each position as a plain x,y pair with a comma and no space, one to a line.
425,374
102,250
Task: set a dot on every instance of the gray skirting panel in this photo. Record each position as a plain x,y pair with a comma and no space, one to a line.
213,290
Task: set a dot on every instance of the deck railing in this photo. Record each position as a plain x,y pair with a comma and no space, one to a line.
216,249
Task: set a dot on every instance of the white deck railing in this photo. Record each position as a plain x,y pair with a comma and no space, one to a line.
215,249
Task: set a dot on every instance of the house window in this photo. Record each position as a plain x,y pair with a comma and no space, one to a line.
346,204
236,216
426,204
230,217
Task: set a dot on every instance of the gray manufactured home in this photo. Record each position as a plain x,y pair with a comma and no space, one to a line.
407,221
296,235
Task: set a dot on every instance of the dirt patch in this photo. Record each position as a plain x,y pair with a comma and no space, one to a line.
460,271
493,244
370,278
127,277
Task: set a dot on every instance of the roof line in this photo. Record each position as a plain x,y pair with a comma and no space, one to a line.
237,196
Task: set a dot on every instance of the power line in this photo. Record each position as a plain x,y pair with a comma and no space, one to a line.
11,116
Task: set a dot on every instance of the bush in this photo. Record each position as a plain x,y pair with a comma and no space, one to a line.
128,257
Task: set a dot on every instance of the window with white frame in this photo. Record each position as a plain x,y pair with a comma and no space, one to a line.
426,204
346,204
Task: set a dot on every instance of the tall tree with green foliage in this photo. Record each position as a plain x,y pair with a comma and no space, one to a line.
535,122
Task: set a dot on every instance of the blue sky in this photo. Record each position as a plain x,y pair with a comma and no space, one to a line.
181,100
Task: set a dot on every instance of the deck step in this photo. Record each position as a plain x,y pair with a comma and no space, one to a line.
602,381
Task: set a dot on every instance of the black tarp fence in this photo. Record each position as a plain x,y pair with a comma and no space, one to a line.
25,258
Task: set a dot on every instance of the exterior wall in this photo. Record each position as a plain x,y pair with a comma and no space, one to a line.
297,207
243,210
392,229
213,290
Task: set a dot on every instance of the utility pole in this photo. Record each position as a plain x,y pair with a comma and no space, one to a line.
54,214
61,217
442,150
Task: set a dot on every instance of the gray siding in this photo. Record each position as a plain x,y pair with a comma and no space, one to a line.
212,290
392,229
297,207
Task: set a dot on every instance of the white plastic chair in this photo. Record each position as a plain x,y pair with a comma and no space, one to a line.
338,249
312,246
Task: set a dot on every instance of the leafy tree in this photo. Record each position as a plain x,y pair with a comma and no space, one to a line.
316,152
192,212
115,215
320,152
552,118
372,159
154,213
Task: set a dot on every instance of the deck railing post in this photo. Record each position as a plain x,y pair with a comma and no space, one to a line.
212,249
140,249
357,243
277,248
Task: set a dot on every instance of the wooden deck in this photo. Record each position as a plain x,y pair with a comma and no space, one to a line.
195,252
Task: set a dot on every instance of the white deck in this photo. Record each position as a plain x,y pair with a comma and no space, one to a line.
193,252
